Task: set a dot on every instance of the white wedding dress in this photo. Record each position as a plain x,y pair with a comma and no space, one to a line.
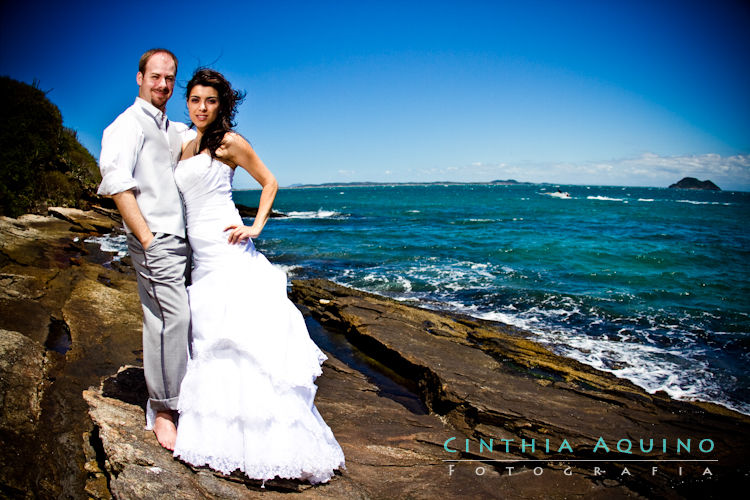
247,398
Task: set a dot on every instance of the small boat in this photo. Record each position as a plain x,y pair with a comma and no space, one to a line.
559,194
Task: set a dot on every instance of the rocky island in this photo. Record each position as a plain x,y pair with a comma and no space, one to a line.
424,403
693,183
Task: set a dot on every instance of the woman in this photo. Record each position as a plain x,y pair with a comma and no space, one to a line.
247,398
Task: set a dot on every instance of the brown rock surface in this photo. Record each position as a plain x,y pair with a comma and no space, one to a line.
98,220
22,377
23,367
491,382
56,293
390,451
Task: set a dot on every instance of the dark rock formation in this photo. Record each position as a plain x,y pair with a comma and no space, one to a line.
246,211
693,183
22,380
56,293
490,382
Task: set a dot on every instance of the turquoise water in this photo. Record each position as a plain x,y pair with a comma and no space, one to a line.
650,284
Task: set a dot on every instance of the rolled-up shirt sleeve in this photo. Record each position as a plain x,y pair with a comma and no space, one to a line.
120,145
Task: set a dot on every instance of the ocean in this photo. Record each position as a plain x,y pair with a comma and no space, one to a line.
649,284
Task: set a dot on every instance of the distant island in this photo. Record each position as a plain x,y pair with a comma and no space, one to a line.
509,182
693,183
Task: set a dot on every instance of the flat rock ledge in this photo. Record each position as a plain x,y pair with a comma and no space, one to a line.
98,220
390,451
482,383
490,382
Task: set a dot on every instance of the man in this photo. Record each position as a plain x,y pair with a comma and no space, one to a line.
140,150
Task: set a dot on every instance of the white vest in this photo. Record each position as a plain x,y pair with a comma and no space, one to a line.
157,194
134,145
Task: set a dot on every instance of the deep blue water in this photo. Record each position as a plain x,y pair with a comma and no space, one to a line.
650,284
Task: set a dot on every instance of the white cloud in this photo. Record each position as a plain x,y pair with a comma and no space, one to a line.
729,171
648,169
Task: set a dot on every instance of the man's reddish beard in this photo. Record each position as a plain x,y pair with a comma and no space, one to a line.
161,94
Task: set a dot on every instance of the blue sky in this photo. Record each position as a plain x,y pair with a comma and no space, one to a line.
618,93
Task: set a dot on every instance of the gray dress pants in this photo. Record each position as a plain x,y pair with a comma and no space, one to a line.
162,270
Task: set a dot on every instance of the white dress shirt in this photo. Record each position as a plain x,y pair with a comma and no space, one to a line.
140,150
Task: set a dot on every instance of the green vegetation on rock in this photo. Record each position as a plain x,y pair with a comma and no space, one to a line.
41,162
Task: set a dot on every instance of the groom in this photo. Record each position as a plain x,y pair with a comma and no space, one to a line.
139,152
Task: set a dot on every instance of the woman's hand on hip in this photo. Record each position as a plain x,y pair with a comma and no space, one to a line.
241,233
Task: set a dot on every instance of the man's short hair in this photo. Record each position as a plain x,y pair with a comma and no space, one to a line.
147,55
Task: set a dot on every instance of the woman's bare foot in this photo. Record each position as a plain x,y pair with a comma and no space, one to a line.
165,430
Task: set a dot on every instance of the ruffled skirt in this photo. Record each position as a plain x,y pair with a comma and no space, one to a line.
246,401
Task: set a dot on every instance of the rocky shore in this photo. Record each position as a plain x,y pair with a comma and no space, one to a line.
479,409
67,320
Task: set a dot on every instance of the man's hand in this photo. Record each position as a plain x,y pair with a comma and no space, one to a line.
133,217
147,241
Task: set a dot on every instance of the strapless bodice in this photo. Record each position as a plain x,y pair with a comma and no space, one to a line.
205,184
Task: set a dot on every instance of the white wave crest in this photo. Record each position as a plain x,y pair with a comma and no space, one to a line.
603,198
651,367
693,202
562,196
319,214
287,268
116,243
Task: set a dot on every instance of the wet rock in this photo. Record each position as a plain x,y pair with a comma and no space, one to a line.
99,221
491,382
246,211
390,451
82,327
22,377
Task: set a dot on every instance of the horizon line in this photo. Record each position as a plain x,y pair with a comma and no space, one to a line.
508,182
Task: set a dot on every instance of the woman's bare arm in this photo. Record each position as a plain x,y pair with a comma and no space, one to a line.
236,151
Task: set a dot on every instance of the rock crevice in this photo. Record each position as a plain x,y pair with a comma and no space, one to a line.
491,382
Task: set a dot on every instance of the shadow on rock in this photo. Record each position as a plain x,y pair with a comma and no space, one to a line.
128,385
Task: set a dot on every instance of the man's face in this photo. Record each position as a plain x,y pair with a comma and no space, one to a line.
157,82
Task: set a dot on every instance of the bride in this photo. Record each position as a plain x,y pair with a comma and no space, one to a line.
247,398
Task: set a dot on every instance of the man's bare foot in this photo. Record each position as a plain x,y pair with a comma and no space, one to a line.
165,430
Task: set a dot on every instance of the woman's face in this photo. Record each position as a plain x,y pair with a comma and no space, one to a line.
203,106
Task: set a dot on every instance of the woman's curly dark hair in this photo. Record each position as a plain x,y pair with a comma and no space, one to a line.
229,100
